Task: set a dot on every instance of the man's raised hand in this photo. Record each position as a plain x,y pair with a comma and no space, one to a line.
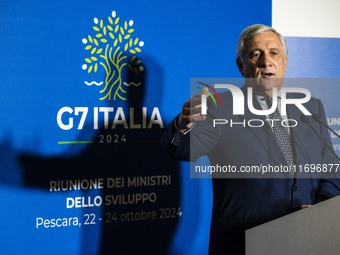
191,112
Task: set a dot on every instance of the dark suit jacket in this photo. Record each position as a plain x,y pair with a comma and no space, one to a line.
241,203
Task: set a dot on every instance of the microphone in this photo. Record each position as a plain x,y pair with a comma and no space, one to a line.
318,119
305,119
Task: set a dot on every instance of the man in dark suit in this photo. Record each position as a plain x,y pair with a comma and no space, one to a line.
242,203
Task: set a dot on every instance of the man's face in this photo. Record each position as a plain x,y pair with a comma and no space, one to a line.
263,59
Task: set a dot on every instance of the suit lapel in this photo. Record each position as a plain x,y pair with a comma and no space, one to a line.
298,134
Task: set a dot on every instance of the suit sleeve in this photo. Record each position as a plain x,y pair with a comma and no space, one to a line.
180,150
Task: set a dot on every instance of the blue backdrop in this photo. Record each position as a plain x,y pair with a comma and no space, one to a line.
48,50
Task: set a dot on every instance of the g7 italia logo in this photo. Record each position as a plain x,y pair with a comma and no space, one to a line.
112,47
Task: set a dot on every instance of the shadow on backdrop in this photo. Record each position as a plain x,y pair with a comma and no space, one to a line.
140,156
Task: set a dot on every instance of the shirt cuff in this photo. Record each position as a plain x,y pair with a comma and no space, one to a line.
179,134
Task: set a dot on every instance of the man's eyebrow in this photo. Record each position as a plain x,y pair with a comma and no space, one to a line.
259,49
254,49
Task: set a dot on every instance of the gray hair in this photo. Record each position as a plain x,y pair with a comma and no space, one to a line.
251,31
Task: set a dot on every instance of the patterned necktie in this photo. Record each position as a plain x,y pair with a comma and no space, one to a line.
281,134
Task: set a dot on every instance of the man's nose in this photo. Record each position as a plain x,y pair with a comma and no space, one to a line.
265,60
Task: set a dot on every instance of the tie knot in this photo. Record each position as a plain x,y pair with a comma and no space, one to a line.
269,101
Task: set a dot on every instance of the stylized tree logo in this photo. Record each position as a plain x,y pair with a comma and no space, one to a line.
112,47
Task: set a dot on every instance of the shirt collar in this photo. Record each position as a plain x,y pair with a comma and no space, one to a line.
262,97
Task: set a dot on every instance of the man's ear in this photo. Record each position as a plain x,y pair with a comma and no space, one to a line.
240,66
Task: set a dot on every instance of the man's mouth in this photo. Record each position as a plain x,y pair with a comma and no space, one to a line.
267,75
